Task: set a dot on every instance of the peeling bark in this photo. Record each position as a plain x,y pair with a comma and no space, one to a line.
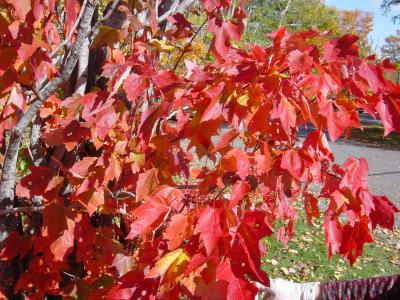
83,63
35,142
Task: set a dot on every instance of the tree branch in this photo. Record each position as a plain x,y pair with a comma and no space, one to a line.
173,8
190,42
183,5
71,33
30,209
106,16
83,64
35,141
283,13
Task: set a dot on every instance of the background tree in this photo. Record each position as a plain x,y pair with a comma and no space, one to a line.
391,49
359,23
267,15
387,6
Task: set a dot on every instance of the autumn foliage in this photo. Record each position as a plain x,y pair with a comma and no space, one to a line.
155,184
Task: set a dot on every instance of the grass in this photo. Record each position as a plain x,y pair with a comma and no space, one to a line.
373,136
305,258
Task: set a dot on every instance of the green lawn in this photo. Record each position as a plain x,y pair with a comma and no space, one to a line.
373,136
306,259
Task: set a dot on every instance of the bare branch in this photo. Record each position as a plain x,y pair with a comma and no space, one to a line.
187,186
121,195
35,142
190,42
170,12
125,194
184,5
83,64
283,13
107,15
71,33
119,82
70,275
156,8
29,149
30,209
110,11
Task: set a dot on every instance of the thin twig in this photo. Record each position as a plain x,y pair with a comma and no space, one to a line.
69,274
120,195
163,224
156,8
188,45
111,10
29,149
174,6
221,191
284,12
119,82
107,15
331,174
15,210
256,146
186,186
70,34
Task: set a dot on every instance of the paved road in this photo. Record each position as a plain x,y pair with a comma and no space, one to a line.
384,166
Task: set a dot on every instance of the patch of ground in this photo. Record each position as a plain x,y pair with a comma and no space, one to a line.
373,136
305,258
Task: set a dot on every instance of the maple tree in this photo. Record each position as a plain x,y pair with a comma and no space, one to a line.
267,15
391,49
360,23
387,6
130,163
296,15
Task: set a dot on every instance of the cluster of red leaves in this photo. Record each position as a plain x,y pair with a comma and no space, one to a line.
124,228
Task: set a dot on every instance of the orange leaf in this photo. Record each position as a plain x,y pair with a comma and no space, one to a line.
170,267
147,182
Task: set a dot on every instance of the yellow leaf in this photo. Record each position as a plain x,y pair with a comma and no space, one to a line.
138,160
285,271
106,36
274,262
4,15
284,75
161,45
190,281
170,265
243,99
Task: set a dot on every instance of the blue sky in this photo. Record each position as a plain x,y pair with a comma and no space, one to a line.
383,25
